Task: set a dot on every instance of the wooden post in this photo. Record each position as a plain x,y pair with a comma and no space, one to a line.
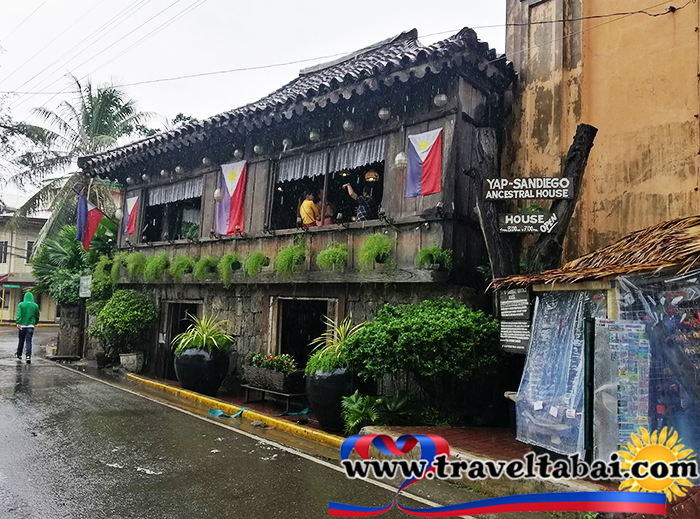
545,254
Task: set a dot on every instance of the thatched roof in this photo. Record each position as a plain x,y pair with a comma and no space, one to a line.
675,243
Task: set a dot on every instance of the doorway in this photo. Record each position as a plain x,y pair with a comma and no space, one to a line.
175,322
300,322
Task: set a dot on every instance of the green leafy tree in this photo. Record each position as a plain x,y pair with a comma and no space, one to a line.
92,123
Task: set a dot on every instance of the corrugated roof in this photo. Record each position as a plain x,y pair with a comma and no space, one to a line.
396,59
675,243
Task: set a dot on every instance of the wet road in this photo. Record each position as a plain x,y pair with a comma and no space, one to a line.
73,447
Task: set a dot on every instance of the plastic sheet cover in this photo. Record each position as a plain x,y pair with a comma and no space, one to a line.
670,307
550,399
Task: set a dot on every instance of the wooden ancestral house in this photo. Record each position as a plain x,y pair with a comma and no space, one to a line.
343,122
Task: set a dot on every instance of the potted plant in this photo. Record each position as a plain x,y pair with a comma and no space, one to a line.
202,355
179,266
274,372
122,324
434,258
328,379
205,267
333,257
289,260
255,263
376,249
228,263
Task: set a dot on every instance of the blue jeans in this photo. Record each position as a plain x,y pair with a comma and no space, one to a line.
25,335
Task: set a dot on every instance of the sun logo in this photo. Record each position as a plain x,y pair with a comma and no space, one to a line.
233,175
657,463
423,145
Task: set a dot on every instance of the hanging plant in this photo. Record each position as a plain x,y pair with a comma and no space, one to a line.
156,266
376,249
135,263
228,263
205,267
289,260
255,263
429,256
333,257
117,263
179,266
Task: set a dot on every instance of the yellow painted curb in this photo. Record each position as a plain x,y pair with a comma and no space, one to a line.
321,437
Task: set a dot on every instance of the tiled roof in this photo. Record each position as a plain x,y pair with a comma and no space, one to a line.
398,58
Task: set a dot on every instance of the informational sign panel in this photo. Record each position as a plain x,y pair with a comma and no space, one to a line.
515,222
547,188
85,286
515,336
514,312
11,286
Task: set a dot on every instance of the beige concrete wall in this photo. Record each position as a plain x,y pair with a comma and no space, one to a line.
635,79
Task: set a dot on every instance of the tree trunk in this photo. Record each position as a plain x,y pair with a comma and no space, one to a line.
503,249
547,251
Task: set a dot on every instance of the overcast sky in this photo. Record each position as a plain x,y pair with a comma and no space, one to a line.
140,43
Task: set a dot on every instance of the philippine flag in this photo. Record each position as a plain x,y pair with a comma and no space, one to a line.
424,163
131,206
229,212
89,218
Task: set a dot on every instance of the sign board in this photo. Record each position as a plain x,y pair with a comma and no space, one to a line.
547,188
514,312
514,304
11,286
515,336
530,222
85,286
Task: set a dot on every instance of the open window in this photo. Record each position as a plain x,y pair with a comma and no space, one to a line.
173,212
324,173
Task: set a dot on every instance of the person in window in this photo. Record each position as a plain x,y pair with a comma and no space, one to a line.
367,207
308,211
328,212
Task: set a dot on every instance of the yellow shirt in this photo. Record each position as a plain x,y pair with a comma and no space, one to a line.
308,212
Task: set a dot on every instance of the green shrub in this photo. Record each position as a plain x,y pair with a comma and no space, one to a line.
179,266
65,287
205,267
289,260
434,256
376,249
123,320
135,263
156,266
206,333
333,257
101,286
228,263
255,263
431,340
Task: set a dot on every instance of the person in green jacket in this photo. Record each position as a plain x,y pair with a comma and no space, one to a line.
27,318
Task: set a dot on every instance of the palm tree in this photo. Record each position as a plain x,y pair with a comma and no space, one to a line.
92,123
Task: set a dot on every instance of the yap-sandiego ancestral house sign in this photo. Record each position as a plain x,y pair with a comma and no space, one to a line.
528,188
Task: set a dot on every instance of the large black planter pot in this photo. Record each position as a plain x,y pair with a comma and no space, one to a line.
201,371
325,392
